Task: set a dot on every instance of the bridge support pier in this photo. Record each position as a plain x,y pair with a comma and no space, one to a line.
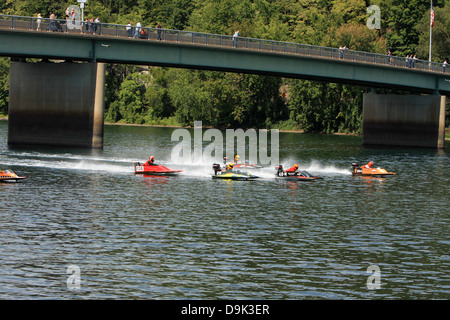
56,104
403,120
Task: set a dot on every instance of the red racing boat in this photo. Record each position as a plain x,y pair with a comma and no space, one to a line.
154,169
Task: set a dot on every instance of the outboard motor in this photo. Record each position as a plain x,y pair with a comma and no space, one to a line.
136,164
216,168
355,167
279,169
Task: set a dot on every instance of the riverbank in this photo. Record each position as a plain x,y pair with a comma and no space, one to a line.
447,130
189,127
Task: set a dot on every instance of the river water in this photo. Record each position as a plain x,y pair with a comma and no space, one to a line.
193,237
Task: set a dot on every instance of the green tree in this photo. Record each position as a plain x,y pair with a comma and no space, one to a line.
399,20
4,85
157,94
129,105
440,49
356,37
115,76
327,108
259,101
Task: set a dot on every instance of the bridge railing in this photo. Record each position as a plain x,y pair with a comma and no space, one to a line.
200,38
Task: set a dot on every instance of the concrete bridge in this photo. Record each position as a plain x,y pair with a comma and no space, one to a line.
62,103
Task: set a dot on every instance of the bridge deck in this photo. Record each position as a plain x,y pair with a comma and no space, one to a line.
19,37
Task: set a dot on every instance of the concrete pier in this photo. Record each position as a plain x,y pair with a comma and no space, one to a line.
404,120
56,104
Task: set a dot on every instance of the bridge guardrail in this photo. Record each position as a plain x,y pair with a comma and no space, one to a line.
200,38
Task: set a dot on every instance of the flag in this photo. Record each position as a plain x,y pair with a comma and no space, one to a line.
432,15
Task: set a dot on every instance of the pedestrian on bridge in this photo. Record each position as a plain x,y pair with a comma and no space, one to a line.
235,38
51,25
39,20
129,29
137,29
159,27
96,24
389,57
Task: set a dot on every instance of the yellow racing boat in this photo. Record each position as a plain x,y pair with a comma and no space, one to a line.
220,173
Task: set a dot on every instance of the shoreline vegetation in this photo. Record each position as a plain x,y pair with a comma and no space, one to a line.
447,130
176,97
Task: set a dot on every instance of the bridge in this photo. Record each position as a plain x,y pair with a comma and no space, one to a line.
27,37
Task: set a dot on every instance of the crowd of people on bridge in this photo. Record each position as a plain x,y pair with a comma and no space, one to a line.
91,25
410,61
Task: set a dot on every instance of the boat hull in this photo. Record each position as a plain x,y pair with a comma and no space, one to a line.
297,178
246,166
9,176
234,175
155,170
372,172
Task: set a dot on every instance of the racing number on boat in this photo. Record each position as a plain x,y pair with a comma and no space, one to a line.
139,168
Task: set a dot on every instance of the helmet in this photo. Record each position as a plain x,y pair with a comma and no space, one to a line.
230,166
370,163
151,158
296,166
236,157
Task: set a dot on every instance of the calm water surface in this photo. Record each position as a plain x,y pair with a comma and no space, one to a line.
192,237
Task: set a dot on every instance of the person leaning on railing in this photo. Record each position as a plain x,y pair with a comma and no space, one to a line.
159,27
444,65
129,29
51,24
137,29
39,20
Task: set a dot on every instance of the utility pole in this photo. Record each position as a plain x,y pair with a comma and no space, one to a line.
431,27
82,2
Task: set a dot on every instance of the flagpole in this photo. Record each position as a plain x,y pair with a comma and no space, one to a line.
431,22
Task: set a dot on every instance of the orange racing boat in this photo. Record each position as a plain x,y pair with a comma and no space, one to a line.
373,172
9,176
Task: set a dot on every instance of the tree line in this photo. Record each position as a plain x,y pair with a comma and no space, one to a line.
171,96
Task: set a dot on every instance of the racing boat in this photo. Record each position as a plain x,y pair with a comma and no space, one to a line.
303,175
154,169
373,172
220,173
9,176
239,165
246,165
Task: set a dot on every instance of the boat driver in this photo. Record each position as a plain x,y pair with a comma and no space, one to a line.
236,159
230,166
150,161
292,171
368,166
